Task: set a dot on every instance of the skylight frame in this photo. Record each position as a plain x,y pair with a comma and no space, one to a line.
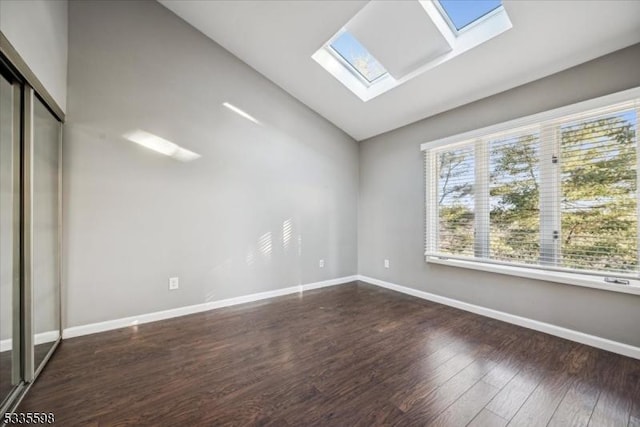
348,66
470,25
492,25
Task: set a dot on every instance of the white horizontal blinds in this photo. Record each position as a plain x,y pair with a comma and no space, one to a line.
560,194
549,196
598,190
454,198
431,211
514,198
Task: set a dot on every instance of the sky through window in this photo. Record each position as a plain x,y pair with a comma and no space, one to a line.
465,12
352,51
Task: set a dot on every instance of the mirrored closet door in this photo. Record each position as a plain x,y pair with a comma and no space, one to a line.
10,332
30,150
41,231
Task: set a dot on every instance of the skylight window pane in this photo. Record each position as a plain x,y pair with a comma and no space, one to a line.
350,49
464,12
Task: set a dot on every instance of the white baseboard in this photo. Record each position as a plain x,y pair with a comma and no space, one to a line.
40,338
569,334
331,282
46,337
76,331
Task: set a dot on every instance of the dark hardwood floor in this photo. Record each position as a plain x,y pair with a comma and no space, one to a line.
39,351
5,374
350,355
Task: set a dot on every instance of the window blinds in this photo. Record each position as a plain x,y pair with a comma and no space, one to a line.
558,194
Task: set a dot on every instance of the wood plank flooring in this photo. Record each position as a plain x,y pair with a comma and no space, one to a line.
349,355
40,351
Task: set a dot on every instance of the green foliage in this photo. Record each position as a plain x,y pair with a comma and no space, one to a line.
598,197
456,230
515,196
455,195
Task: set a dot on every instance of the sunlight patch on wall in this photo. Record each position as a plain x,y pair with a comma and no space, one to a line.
287,233
265,245
161,145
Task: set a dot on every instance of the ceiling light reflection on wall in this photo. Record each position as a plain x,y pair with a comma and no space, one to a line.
240,112
161,145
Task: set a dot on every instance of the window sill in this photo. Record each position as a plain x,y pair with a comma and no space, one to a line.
574,279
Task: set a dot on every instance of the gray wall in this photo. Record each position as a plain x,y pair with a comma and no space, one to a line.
38,30
266,202
391,207
133,218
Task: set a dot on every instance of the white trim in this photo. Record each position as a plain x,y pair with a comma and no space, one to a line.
569,334
481,216
46,337
549,123
591,340
603,101
332,282
489,26
575,279
477,21
329,47
638,179
76,331
40,338
337,68
549,197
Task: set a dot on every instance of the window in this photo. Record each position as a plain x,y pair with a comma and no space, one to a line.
514,212
462,13
598,183
430,34
557,194
455,200
358,57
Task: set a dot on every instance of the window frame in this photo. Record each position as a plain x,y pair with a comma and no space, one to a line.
351,68
477,21
545,122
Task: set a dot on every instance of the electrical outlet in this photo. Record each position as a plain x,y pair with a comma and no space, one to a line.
386,263
174,283
321,263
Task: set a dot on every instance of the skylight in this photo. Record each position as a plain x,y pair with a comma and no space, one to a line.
358,57
462,13
429,38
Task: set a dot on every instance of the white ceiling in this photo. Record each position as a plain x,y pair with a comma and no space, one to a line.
277,38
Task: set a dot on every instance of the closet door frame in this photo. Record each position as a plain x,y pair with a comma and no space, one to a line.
31,371
27,234
23,80
17,330
17,374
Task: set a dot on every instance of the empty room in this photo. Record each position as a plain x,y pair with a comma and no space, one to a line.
320,213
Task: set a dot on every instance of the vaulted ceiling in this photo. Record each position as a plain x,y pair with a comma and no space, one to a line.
278,38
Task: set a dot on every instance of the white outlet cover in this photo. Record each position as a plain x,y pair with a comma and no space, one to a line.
174,283
321,263
386,263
